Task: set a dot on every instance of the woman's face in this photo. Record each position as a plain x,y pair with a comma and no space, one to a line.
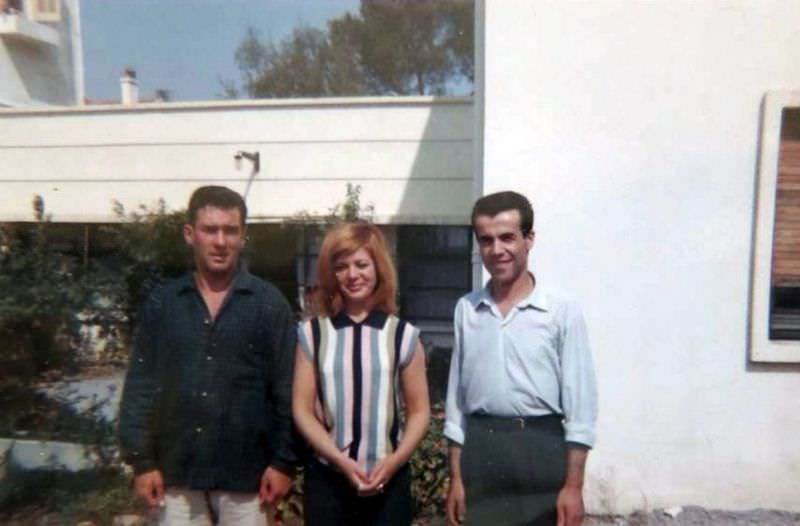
355,274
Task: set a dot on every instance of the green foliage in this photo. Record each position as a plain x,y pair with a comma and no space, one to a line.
150,249
412,46
391,47
299,65
63,497
291,507
429,469
350,209
44,293
33,415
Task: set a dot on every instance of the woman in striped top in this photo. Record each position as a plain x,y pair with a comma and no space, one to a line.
358,369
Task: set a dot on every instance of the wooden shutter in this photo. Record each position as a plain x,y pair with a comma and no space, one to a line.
786,243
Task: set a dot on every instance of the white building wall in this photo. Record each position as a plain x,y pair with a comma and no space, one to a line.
633,126
411,156
41,63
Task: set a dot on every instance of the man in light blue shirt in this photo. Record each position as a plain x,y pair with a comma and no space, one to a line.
521,397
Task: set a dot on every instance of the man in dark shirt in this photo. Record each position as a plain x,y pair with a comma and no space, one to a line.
205,419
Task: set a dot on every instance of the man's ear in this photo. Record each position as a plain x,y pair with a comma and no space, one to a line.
529,239
188,234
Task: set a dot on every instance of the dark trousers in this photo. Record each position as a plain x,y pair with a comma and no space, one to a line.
513,470
330,500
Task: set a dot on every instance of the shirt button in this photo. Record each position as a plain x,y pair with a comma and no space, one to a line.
199,429
208,358
204,394
206,322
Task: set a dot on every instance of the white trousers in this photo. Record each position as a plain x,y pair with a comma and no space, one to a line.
183,507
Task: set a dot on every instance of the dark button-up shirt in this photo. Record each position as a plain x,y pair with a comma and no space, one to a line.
208,402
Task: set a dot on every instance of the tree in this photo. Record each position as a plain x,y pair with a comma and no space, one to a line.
297,66
47,297
391,47
409,46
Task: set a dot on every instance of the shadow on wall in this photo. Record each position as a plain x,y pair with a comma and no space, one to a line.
439,186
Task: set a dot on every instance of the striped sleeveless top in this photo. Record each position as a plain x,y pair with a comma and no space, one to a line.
358,379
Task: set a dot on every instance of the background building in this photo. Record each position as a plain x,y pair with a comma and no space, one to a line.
647,134
411,157
658,142
41,60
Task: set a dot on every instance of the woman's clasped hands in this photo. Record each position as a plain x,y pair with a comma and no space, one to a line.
372,483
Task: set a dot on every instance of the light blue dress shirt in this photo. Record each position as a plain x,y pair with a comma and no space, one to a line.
535,361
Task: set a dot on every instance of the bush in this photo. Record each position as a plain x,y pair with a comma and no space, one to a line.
67,498
429,469
44,292
150,248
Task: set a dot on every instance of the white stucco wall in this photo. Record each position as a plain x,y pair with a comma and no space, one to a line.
633,126
34,73
412,157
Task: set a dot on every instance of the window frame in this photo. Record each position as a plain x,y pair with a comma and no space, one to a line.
761,347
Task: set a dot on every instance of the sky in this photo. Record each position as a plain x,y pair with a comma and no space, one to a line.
184,46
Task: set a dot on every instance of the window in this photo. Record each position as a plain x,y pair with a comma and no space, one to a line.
784,318
433,267
44,10
775,305
434,270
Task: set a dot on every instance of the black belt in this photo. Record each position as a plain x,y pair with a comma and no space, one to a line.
514,423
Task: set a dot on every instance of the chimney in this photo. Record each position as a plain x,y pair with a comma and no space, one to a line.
162,95
129,86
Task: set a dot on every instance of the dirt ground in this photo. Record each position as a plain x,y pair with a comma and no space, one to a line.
686,516
697,516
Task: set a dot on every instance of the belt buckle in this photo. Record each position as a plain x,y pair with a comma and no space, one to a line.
519,420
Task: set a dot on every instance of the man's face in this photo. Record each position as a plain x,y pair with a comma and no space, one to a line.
504,250
216,238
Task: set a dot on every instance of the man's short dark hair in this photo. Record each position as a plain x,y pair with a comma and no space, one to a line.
218,197
492,204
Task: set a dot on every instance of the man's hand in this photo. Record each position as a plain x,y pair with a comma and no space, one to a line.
149,486
456,502
570,506
274,486
570,499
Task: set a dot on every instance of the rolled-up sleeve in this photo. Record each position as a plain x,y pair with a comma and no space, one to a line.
454,428
578,382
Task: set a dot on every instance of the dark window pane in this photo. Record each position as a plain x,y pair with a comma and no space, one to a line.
434,270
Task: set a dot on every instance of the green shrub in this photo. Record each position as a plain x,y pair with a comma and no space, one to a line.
68,497
429,469
150,248
44,292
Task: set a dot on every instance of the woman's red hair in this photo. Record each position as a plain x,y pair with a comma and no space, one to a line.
343,240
